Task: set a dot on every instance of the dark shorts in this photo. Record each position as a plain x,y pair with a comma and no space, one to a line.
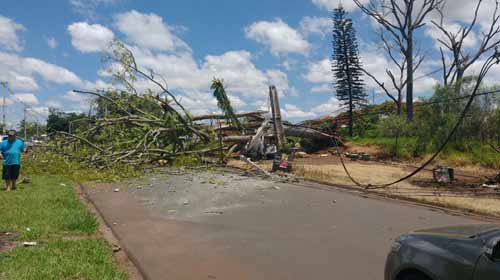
10,172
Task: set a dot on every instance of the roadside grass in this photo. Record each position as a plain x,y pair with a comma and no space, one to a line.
42,162
79,259
474,153
44,208
48,211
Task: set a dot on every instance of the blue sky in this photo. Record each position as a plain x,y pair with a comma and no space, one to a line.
56,46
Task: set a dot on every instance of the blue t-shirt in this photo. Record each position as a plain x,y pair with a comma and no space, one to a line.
11,152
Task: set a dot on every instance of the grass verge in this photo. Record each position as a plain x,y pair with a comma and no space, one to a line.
47,210
77,259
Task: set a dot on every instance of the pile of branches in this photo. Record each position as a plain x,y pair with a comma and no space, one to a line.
133,127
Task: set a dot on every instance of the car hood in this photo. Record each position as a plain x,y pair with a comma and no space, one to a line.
461,231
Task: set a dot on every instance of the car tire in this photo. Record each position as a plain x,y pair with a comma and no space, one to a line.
414,276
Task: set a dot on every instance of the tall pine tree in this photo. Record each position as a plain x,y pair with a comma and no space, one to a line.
346,66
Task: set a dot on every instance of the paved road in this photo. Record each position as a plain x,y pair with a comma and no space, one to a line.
227,226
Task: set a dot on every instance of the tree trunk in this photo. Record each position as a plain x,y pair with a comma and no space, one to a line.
398,104
349,83
409,74
351,116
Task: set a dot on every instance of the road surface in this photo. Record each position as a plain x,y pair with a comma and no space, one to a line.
213,225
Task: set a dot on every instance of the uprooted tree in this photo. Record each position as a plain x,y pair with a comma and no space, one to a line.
136,124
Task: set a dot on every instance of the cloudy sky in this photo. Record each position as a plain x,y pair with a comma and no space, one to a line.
56,46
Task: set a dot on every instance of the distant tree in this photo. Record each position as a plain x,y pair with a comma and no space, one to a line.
346,65
62,121
33,129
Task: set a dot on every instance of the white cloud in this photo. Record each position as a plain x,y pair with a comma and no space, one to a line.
52,43
293,112
333,4
8,34
27,98
239,73
316,25
148,31
52,103
51,72
75,97
320,72
20,72
463,11
88,8
244,82
470,41
90,37
278,36
79,102
324,88
8,101
280,80
40,111
330,107
375,62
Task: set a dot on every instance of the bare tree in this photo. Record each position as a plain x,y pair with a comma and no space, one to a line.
400,19
397,76
453,42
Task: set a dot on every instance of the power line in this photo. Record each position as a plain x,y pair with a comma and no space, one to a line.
422,104
492,60
26,105
428,74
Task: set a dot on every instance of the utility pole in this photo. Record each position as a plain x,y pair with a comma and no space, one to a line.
3,116
278,124
24,123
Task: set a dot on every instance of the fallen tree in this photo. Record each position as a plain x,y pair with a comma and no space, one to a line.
133,127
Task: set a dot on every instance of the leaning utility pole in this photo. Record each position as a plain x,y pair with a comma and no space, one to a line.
278,124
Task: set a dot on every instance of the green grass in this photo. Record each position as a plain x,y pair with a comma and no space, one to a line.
79,259
44,162
46,210
47,206
405,148
474,153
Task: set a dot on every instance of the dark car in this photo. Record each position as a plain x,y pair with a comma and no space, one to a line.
468,252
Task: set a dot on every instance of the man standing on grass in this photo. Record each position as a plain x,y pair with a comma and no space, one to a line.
11,149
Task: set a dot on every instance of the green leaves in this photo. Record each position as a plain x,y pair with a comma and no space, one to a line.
224,104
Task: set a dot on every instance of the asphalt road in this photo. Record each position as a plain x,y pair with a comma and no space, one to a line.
226,226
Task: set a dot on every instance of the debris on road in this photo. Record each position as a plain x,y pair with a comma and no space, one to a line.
249,161
214,212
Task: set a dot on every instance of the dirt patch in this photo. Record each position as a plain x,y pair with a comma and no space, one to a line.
373,150
8,241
